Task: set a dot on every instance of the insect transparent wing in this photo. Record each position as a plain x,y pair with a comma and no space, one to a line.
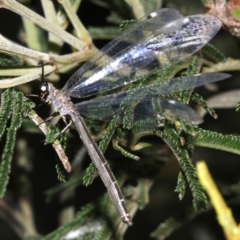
170,109
135,33
144,50
174,110
103,108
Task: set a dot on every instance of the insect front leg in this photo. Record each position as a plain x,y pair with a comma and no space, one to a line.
68,124
57,135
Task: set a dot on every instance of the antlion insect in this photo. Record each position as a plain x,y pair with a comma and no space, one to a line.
159,40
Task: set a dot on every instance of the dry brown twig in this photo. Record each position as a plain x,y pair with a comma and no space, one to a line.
228,12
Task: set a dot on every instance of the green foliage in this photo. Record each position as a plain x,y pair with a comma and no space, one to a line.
181,185
166,228
7,60
99,220
183,155
81,218
60,174
125,153
238,106
236,13
214,53
89,176
6,109
143,192
11,105
103,33
193,68
73,182
52,135
201,101
16,120
108,133
215,140
125,24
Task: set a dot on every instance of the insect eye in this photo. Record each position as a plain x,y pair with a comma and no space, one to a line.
44,88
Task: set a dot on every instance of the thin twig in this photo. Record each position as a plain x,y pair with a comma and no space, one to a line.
7,83
51,16
228,65
56,145
43,23
81,31
137,7
13,48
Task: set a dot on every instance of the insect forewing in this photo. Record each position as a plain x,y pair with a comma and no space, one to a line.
151,44
135,33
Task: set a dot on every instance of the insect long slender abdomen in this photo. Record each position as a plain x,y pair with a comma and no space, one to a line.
103,168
